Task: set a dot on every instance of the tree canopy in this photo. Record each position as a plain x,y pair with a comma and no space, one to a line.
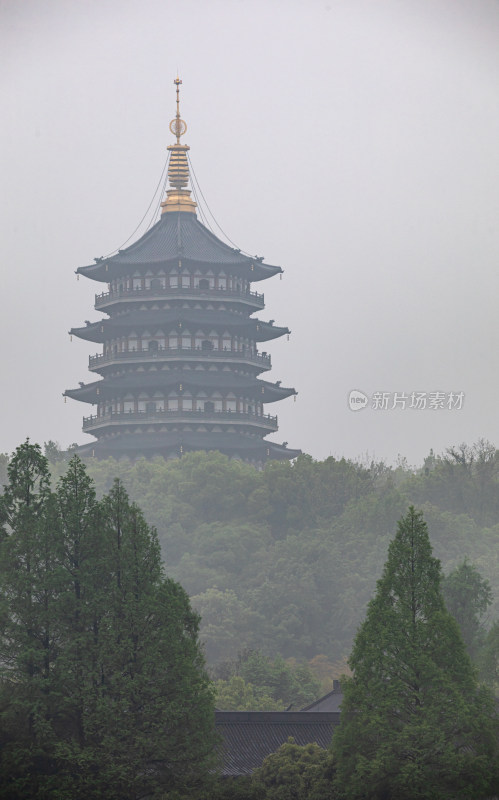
285,560
103,690
414,722
254,682
468,596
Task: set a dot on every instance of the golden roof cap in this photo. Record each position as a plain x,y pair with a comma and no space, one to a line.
178,197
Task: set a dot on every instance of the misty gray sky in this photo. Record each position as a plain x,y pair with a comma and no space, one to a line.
353,142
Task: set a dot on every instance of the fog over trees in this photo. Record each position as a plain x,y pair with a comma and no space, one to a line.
284,561
100,647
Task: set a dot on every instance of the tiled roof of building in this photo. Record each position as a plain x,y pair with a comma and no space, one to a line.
170,443
250,736
330,702
265,391
174,237
146,320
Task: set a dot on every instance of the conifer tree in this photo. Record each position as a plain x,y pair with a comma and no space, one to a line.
30,595
103,691
468,596
414,722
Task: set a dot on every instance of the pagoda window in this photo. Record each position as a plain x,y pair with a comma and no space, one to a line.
207,345
132,344
231,404
200,400
226,344
222,283
141,405
136,283
186,281
218,405
174,281
186,403
173,404
128,406
173,342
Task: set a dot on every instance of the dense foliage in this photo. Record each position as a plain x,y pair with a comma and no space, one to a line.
296,773
468,597
293,772
414,721
103,691
255,682
285,560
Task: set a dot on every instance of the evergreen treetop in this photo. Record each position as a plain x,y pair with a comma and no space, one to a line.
414,722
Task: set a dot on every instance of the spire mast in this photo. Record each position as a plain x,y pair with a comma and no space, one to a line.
178,197
178,121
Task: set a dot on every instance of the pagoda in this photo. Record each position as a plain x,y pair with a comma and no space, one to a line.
180,362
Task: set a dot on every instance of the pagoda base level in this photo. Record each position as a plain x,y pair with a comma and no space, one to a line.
176,444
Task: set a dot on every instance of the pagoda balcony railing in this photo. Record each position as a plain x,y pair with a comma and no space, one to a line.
106,298
185,353
266,421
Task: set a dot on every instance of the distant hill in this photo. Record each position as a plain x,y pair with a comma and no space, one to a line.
284,560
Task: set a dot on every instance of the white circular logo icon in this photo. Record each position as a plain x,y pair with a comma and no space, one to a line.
357,400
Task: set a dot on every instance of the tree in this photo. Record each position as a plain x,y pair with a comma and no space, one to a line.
31,590
488,658
414,722
468,596
295,772
103,690
254,682
235,694
52,451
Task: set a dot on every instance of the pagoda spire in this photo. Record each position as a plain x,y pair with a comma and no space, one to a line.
178,197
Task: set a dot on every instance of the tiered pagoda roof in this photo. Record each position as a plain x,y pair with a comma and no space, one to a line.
179,367
172,239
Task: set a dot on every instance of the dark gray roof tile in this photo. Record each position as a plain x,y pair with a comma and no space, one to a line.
250,736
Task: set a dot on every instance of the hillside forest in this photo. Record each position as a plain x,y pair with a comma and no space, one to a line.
281,563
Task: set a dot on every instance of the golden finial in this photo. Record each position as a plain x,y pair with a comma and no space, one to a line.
178,196
177,126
